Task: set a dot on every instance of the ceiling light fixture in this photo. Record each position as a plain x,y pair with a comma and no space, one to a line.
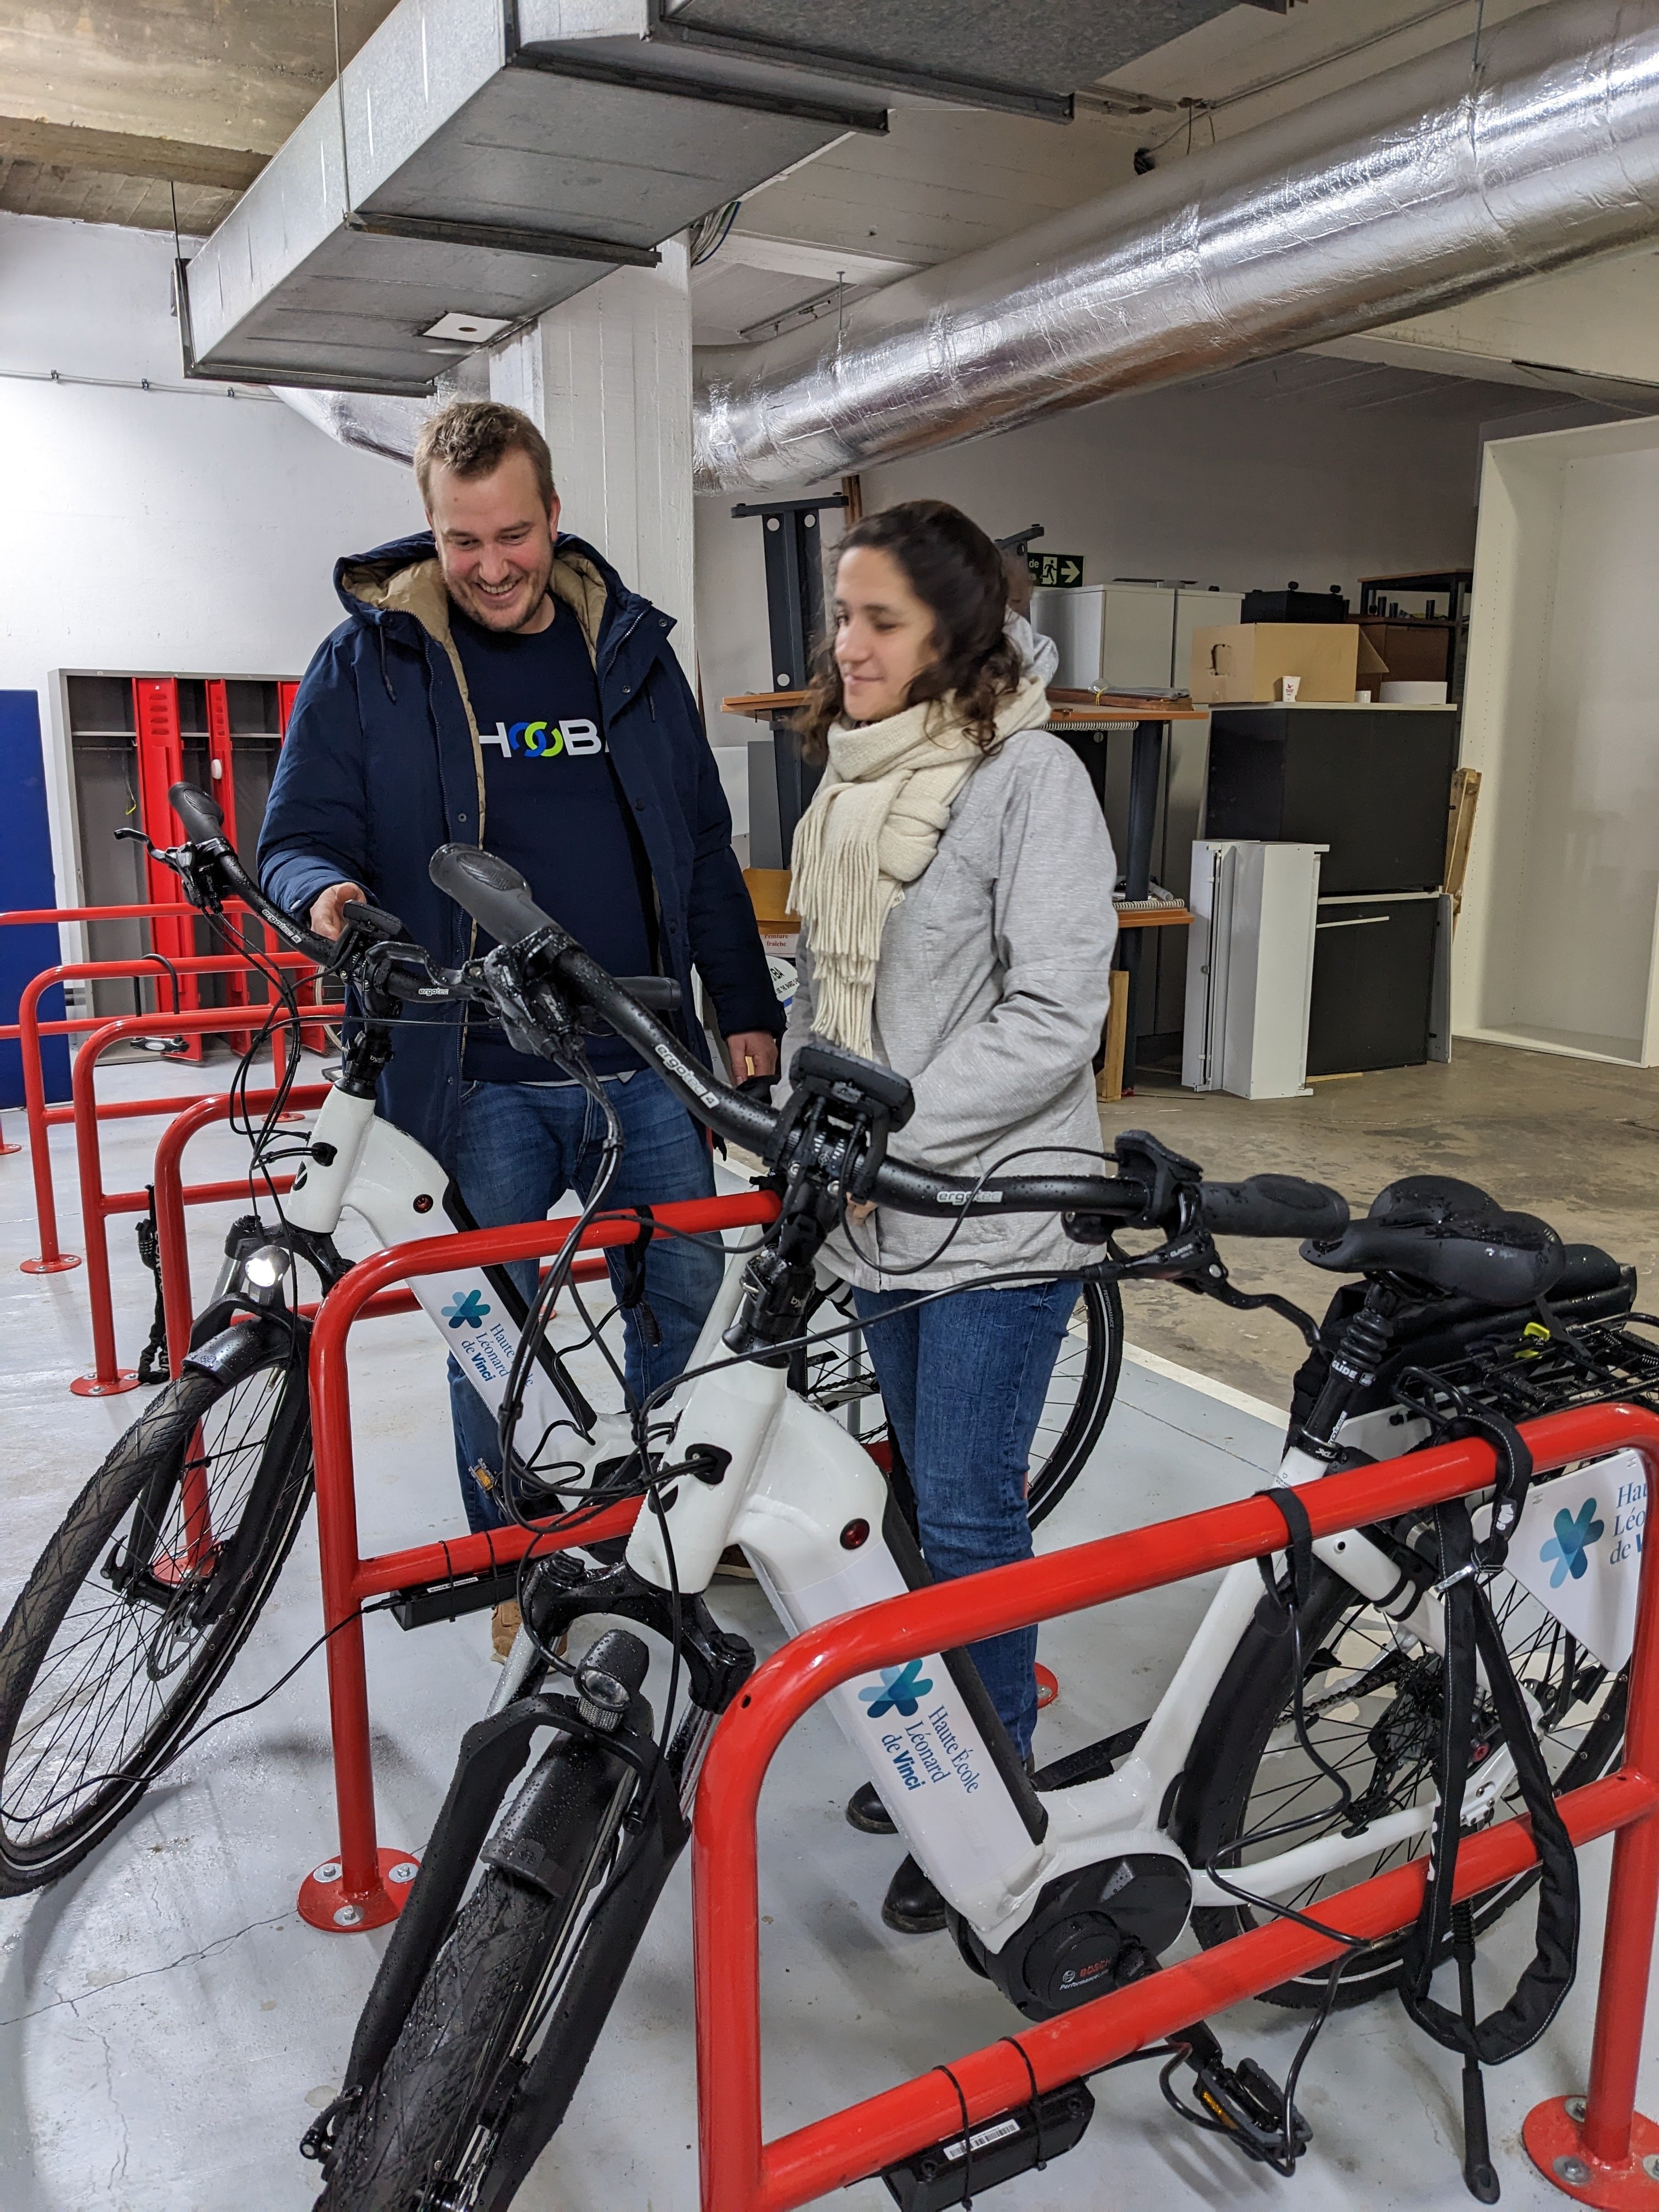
471,330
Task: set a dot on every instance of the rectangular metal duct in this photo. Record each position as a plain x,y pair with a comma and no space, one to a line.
490,170
489,158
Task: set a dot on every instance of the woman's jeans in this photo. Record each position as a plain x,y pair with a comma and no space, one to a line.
963,1379
522,1146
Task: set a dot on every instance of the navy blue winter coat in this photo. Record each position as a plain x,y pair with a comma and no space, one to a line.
381,766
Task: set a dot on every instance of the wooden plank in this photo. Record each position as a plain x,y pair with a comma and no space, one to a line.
1460,829
1108,1083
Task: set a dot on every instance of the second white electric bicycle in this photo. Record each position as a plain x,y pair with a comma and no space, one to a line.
499,1976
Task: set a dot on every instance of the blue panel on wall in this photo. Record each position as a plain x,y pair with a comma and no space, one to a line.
25,880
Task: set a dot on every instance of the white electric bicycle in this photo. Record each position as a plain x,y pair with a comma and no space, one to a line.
134,1613
1276,1765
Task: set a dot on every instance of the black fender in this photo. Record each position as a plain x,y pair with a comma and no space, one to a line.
231,1339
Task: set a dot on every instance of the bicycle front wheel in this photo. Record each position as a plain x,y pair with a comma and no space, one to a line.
1080,1391
137,1606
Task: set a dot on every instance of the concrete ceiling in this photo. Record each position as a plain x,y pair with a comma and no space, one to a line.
105,104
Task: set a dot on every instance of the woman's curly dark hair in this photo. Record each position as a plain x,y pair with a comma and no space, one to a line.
953,569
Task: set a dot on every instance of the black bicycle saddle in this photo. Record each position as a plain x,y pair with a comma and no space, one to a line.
1451,1237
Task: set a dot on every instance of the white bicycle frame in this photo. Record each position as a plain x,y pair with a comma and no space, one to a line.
806,1502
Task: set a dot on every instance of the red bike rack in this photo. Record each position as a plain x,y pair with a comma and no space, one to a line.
364,1886
1596,2150
29,1028
108,1379
49,916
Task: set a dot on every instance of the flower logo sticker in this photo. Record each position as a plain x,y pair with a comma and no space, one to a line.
901,1690
1574,1535
466,1310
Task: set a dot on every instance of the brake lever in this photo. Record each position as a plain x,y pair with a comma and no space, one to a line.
1189,1256
194,873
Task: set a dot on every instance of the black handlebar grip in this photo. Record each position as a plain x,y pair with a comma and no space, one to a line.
661,993
496,896
203,817
1273,1206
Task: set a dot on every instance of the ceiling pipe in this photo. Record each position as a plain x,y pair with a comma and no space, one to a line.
1416,189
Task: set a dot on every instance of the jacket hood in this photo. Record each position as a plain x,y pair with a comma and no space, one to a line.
403,577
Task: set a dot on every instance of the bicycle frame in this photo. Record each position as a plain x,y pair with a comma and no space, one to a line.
807,1505
764,1469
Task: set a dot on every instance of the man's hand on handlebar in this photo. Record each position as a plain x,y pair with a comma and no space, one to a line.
327,915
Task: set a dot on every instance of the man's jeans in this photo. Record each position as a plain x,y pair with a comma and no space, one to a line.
963,1379
522,1146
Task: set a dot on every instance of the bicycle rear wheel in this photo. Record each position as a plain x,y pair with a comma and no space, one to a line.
1371,1706
1080,1393
137,1606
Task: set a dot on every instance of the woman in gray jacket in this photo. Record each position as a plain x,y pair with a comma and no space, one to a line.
954,879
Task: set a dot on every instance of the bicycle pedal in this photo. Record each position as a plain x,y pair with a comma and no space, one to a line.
1247,2106
1015,2143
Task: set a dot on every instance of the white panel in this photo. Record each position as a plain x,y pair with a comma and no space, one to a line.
1072,619
1562,718
1249,975
1198,610
1138,641
616,408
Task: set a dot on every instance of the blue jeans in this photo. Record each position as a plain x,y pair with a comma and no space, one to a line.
522,1146
963,1380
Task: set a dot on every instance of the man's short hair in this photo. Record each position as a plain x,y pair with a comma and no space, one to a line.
474,437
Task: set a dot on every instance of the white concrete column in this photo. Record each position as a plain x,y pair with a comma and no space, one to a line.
608,378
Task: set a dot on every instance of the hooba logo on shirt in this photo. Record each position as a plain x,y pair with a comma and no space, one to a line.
545,740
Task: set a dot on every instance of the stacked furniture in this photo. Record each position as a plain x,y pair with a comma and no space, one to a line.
1371,784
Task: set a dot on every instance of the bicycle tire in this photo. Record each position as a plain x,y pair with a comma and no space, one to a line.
462,2106
1231,1745
116,1629
393,2146
1061,1446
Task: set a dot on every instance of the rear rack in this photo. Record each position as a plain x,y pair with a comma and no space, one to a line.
1534,1373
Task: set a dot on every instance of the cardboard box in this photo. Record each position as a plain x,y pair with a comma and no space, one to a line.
1242,664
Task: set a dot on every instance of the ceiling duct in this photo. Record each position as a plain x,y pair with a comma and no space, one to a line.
1412,190
480,161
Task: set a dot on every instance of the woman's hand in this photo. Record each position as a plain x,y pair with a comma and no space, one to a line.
858,1211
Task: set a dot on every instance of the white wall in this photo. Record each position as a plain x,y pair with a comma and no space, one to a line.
1557,946
160,531
1279,470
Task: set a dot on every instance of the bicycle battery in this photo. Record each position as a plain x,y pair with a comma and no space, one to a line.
957,2170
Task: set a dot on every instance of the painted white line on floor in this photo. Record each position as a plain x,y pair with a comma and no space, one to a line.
1241,1401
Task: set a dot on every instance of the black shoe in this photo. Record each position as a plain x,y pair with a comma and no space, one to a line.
912,1904
867,1812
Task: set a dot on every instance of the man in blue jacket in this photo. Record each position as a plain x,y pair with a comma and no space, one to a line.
495,683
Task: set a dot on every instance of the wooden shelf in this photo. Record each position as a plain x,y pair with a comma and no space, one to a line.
1111,707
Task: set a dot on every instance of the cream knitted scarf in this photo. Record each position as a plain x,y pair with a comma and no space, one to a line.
873,826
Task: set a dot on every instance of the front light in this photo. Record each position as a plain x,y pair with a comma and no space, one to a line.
263,1271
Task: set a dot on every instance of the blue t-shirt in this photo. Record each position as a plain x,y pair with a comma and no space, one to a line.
553,808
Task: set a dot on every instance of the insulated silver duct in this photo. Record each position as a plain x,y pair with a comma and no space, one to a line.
375,423
1416,189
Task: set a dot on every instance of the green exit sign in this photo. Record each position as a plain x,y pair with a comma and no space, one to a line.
1064,570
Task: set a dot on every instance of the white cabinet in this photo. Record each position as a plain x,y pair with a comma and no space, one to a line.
1128,637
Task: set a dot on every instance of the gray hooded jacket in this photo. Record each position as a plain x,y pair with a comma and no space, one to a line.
991,994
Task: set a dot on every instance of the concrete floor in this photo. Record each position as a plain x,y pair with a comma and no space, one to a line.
1576,1141
168,2027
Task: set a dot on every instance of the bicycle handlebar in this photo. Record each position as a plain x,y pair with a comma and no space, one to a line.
1265,1205
497,897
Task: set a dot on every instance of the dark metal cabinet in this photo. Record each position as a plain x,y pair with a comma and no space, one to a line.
1372,784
